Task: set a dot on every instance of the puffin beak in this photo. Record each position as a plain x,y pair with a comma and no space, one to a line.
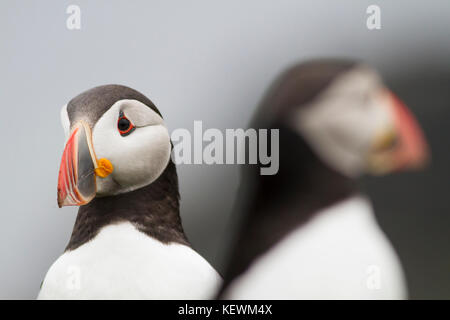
76,181
401,147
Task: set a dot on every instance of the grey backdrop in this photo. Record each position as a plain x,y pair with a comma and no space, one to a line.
210,61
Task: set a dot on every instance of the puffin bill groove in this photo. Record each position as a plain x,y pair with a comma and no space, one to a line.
76,181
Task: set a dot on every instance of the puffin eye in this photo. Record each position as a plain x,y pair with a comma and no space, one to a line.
124,125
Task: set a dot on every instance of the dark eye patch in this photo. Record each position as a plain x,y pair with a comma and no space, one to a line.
124,125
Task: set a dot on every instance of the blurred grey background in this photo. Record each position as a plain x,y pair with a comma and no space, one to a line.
211,61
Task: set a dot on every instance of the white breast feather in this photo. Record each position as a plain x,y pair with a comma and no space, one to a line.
340,254
124,263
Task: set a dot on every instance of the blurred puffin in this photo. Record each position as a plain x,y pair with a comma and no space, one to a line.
307,233
128,241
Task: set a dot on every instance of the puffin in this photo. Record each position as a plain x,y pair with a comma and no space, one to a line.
128,241
308,232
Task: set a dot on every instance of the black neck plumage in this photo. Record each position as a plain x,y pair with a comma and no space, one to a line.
273,206
153,209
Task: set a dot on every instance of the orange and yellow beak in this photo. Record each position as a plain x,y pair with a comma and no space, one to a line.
401,147
79,168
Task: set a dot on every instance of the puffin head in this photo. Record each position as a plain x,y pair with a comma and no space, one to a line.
348,117
116,142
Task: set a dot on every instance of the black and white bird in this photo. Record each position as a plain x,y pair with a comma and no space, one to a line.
128,241
307,232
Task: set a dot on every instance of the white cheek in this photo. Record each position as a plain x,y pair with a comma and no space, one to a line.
340,126
326,126
342,135
138,158
65,121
